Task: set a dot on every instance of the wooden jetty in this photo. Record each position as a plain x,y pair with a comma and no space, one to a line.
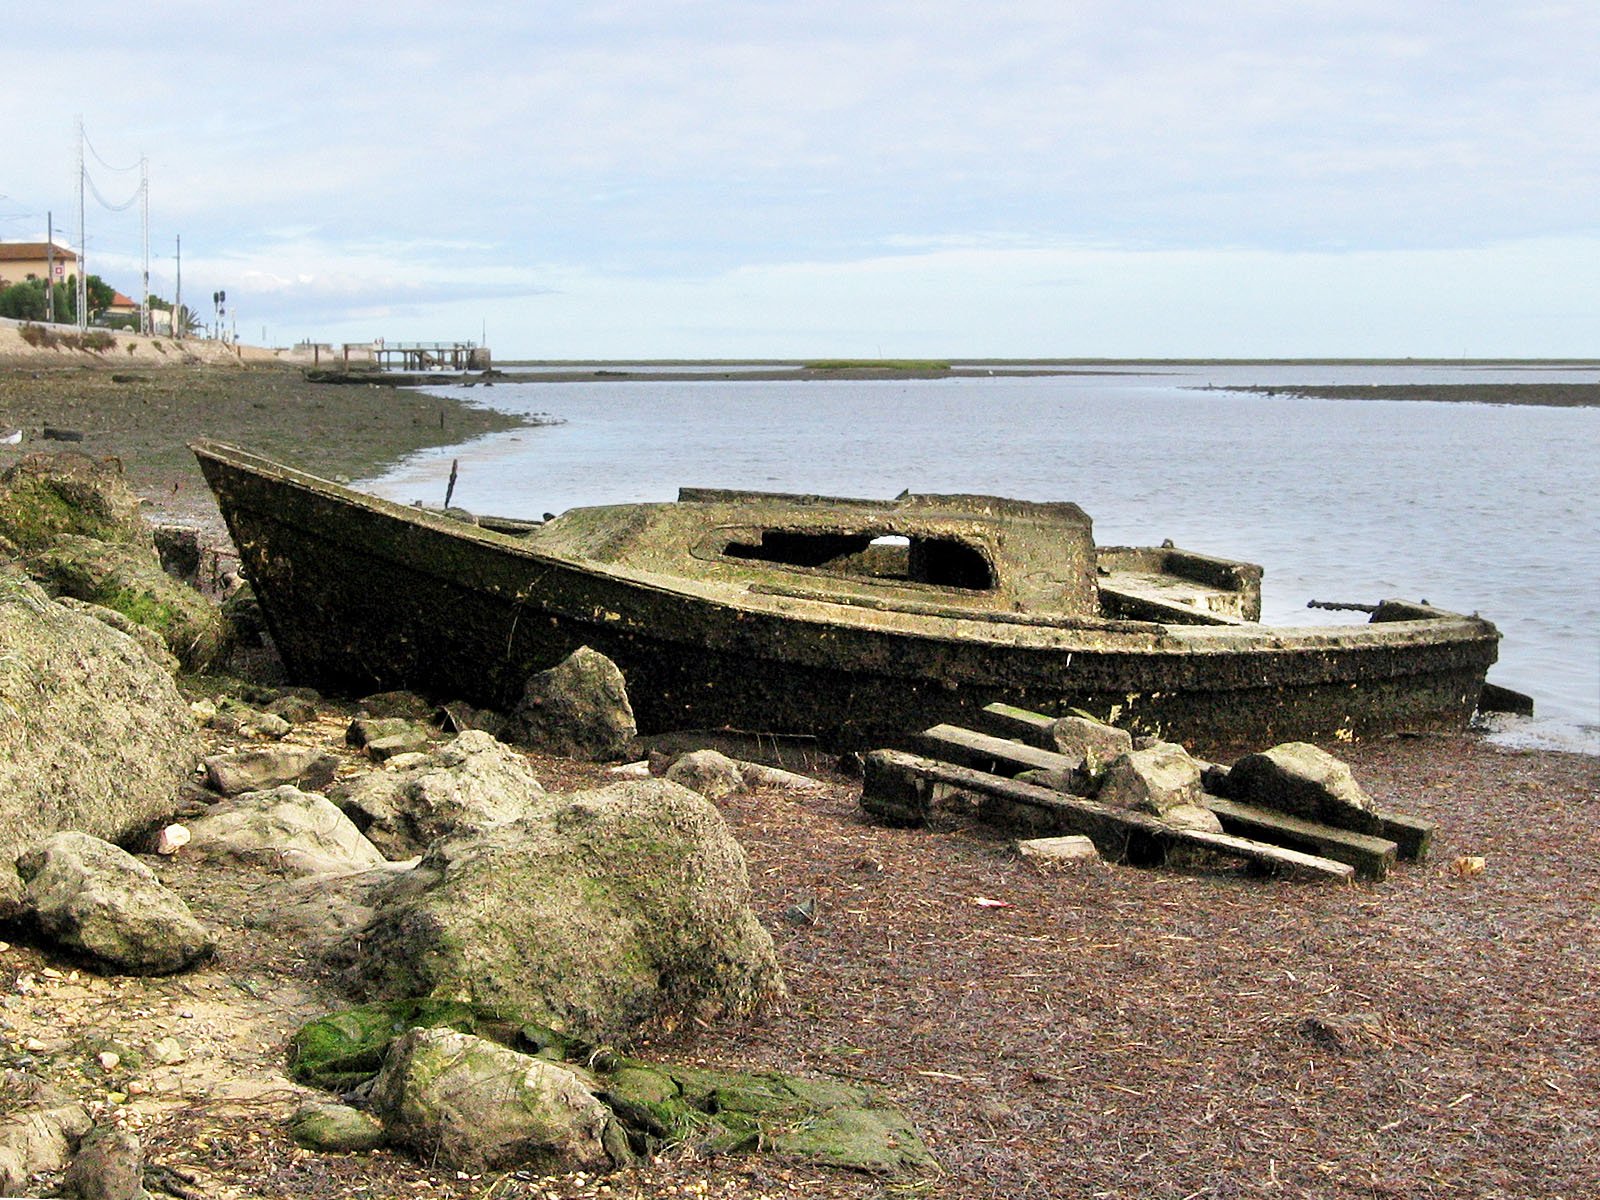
430,356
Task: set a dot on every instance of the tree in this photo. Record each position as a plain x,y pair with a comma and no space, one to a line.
23,301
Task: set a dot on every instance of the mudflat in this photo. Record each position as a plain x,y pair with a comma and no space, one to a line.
145,419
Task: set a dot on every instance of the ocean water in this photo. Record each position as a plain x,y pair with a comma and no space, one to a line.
1479,508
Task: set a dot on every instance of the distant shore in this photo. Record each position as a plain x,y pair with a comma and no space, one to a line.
1550,395
144,413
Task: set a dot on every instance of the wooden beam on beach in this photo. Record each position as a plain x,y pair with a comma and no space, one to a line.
1034,728
1372,857
985,752
903,788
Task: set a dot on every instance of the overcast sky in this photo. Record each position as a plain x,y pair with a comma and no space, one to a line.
712,178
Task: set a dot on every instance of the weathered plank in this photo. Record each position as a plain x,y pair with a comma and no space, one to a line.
903,788
1372,857
1412,836
985,752
1036,729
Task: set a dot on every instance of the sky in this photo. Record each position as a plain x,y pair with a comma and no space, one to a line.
841,178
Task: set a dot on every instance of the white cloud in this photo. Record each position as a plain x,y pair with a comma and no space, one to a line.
660,144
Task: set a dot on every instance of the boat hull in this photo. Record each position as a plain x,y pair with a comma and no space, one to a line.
363,595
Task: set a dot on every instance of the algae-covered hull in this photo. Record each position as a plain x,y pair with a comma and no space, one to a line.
362,594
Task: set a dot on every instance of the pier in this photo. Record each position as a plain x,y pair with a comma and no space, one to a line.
427,356
400,357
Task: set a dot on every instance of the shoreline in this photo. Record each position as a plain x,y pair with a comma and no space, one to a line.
145,419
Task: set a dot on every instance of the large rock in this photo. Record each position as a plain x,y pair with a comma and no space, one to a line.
300,833
128,579
467,786
268,767
109,1165
101,901
93,735
578,708
39,1127
1161,780
48,495
149,640
709,772
1300,779
1090,742
472,1105
597,914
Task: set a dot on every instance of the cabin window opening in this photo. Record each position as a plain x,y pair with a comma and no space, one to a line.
940,561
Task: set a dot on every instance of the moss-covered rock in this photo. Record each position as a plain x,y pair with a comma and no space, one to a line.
336,1129
656,1106
48,495
343,1050
599,914
469,1103
93,735
127,578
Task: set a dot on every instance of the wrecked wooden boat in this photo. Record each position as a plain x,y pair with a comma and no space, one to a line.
857,621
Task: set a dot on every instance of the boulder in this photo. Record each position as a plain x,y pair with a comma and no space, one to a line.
709,772
237,717
335,1128
299,833
1160,779
467,786
295,709
94,736
270,767
384,738
820,1120
596,914
45,496
578,708
128,579
1089,741
149,640
39,1127
100,901
471,1105
1071,847
109,1165
1304,781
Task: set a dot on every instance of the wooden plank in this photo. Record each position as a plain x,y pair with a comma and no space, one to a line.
1036,729
985,752
904,787
1372,857
1412,836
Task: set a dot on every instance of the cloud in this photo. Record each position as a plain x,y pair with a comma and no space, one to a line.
666,143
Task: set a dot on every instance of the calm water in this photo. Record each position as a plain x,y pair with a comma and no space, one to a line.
1480,508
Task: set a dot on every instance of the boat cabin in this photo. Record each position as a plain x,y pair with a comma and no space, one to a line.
980,554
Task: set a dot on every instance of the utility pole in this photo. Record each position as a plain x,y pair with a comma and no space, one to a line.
177,291
50,267
83,242
144,210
